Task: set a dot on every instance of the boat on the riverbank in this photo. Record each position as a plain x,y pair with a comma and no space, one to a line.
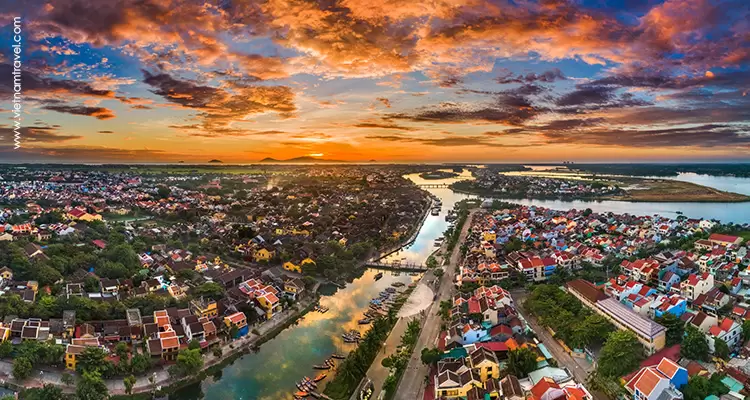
364,321
320,377
435,211
339,356
301,394
378,276
321,366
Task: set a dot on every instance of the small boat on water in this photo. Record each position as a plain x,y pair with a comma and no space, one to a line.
302,394
397,284
364,321
322,366
435,211
339,356
320,377
378,275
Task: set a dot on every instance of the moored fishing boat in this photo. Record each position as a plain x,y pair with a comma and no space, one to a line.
320,377
321,366
302,394
378,275
339,356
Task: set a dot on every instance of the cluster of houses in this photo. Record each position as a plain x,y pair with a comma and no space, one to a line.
484,326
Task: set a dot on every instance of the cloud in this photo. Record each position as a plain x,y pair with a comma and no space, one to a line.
705,136
386,125
220,107
384,101
34,84
452,141
97,112
38,134
549,76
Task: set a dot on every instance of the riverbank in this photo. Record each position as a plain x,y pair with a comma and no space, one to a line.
635,190
434,175
664,190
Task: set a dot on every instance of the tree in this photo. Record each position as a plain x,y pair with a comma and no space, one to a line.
211,290
699,387
189,361
746,331
6,349
233,331
129,382
675,328
694,345
122,350
194,344
91,386
67,379
621,354
91,359
140,363
721,349
163,191
21,368
521,361
430,356
46,392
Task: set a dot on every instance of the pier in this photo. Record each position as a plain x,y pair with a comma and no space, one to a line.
397,266
434,185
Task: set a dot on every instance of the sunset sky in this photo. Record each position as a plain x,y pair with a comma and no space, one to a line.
389,80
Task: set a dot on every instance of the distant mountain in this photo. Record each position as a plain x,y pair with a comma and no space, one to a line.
300,160
215,161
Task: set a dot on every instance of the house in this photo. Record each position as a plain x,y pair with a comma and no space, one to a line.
239,320
696,285
203,308
729,331
33,250
724,240
485,361
658,382
472,333
548,389
73,350
511,388
293,287
264,254
455,379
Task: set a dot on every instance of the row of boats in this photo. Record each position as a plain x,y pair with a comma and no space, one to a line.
380,305
353,336
308,386
321,309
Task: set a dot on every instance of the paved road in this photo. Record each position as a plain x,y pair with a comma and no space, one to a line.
377,373
578,367
413,381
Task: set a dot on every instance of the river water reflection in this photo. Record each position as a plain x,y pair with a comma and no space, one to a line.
270,373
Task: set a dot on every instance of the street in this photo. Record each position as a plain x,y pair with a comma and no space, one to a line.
413,381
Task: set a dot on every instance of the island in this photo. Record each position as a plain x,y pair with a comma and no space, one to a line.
301,160
215,161
563,184
438,175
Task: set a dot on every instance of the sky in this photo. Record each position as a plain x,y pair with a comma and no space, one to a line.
386,80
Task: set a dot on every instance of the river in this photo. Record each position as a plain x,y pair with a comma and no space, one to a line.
270,373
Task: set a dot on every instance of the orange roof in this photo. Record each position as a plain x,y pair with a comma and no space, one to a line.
168,343
511,343
648,381
575,393
236,317
167,334
543,386
668,367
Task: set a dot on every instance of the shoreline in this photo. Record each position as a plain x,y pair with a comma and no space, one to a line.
627,198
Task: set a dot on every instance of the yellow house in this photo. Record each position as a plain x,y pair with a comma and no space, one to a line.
489,236
6,273
301,232
485,361
71,352
270,303
448,384
204,308
307,260
293,287
290,266
4,334
280,231
263,254
396,235
342,241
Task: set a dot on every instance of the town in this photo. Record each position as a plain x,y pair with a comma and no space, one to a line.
119,282
580,305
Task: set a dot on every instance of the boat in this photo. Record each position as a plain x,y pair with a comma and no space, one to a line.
302,394
315,394
378,275
339,356
322,366
320,377
397,284
364,321
310,382
435,211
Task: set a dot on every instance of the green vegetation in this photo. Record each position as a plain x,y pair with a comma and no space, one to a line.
675,328
575,324
721,349
521,361
620,355
22,368
400,359
430,356
452,235
694,345
91,386
699,387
